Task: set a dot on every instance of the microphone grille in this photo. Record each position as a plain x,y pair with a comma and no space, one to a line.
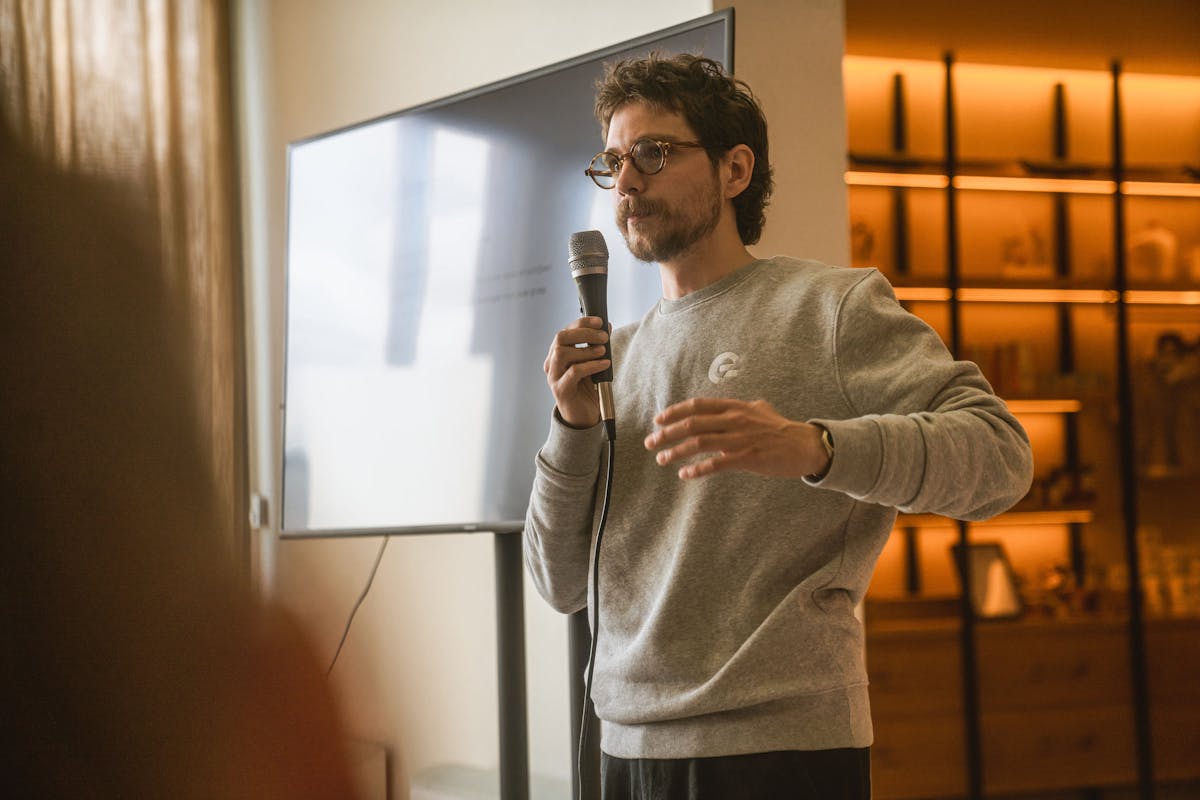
587,249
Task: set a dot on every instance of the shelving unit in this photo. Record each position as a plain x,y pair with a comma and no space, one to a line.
1047,224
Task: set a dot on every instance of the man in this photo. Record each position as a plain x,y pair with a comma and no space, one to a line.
773,416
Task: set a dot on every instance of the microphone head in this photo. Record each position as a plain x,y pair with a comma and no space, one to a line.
587,253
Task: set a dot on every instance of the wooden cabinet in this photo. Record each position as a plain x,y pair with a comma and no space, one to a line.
1055,701
1057,706
1173,656
917,711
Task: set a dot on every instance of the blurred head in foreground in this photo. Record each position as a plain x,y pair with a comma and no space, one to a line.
136,663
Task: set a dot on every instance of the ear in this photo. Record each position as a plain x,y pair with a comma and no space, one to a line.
738,162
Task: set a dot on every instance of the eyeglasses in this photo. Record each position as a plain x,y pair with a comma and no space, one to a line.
649,156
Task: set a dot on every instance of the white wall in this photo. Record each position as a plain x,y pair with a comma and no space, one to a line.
418,672
791,55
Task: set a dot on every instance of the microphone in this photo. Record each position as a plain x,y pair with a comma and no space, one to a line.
588,256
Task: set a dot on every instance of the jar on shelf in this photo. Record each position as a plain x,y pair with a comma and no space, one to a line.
1152,253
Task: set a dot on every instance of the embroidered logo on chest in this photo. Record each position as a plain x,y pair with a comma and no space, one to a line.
724,368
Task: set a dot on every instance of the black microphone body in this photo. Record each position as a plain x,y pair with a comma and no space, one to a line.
593,302
588,255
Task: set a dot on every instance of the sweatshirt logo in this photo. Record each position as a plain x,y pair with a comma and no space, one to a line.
724,367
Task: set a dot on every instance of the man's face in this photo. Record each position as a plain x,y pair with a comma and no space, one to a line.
664,215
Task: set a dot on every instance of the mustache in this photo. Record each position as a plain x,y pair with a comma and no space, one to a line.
636,207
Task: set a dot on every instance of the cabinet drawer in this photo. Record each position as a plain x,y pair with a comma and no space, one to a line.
1173,661
915,675
918,757
1058,666
1176,732
1025,751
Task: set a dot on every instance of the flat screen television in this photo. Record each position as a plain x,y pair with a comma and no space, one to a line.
426,275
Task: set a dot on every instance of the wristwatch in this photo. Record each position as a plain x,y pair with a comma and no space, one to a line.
827,443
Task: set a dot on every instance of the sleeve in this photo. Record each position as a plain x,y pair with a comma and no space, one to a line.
558,524
930,435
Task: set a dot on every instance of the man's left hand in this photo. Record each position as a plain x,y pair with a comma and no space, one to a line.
736,435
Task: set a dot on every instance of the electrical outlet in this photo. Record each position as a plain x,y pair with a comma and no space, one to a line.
259,511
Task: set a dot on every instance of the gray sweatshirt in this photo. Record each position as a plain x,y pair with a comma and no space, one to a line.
726,621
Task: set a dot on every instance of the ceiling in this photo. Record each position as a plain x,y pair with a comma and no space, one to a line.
1150,36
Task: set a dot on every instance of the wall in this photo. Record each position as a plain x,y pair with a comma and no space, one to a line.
791,54
418,671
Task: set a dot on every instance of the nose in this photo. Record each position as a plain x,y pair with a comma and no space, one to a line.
630,179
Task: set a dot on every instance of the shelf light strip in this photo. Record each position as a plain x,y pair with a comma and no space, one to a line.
937,294
923,293
940,294
924,180
1147,297
1037,295
906,180
1064,185
1011,518
1160,189
1045,406
1039,518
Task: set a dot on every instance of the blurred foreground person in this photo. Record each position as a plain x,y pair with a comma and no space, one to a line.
136,663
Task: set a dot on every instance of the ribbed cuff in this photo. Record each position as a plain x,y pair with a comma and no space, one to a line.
570,450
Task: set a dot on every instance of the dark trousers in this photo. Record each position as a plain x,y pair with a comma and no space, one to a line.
790,775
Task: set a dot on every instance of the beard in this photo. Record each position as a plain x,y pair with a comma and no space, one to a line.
672,232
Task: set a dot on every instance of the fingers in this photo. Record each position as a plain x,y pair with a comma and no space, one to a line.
577,373
696,426
581,341
576,354
722,434
585,330
695,406
717,463
692,432
576,360
696,417
694,445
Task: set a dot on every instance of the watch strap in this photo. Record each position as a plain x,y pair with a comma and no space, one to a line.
827,443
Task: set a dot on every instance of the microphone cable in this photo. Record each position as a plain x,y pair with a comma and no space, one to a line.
595,604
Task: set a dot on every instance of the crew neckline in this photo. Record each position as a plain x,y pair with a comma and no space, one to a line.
692,299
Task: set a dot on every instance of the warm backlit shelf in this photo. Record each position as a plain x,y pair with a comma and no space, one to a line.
1001,294
1047,516
1044,406
1022,176
898,180
1165,472
1177,297
930,180
988,183
1035,295
904,617
930,294
1160,189
1049,294
1044,222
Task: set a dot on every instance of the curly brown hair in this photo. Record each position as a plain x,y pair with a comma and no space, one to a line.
720,108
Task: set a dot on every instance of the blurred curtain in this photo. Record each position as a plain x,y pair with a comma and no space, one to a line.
139,91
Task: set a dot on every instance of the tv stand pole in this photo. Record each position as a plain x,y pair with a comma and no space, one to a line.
510,663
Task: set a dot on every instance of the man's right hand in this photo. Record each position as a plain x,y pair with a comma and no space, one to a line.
569,368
